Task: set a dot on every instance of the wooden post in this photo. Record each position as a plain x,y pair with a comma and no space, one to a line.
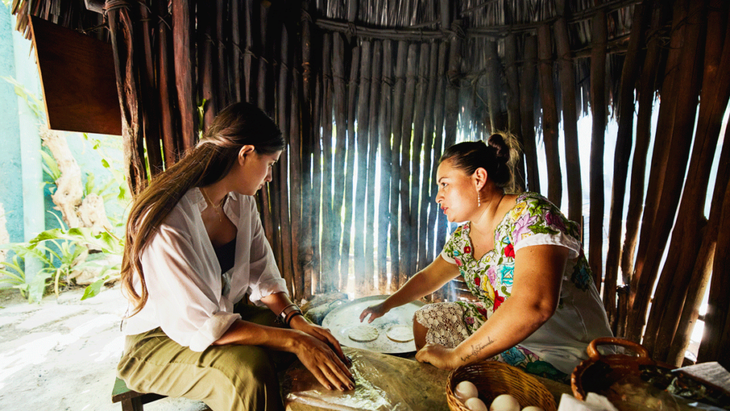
372,151
494,89
296,191
306,249
549,114
428,185
513,103
395,222
349,182
248,5
283,104
598,106
527,112
316,199
570,124
328,256
406,261
182,33
419,115
690,76
171,141
717,322
207,81
629,74
150,105
122,39
361,183
221,29
436,220
340,105
386,155
646,93
675,279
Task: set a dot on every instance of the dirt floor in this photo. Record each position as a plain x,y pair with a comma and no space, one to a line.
61,354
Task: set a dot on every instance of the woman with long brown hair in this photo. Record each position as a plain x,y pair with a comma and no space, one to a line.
194,248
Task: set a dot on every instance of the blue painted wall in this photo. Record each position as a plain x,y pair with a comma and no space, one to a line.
11,193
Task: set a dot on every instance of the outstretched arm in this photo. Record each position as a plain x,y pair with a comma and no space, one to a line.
426,281
535,293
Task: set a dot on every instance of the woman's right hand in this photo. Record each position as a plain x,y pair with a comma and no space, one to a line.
323,363
375,311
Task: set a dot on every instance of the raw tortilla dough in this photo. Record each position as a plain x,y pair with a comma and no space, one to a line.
400,333
363,333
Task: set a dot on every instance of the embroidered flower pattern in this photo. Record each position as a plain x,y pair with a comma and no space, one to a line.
491,277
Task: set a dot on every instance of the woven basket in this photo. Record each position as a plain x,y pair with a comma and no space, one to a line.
494,378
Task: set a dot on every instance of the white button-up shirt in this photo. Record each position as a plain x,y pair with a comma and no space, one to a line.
186,295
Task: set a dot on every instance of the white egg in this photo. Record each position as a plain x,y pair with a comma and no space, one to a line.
475,404
465,390
532,408
505,402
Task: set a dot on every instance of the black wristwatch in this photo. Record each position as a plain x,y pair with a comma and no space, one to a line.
289,312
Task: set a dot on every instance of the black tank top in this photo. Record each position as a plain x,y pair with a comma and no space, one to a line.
226,255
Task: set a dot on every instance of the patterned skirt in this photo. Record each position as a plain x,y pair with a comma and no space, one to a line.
451,323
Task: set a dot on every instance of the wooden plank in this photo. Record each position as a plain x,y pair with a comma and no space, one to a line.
78,80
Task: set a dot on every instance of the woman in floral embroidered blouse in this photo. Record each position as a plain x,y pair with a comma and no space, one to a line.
537,308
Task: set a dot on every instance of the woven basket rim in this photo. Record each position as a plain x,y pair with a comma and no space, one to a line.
503,378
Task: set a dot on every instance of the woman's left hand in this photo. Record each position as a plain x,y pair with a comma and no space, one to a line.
320,333
438,356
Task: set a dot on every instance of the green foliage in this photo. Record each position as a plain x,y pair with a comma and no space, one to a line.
62,252
35,104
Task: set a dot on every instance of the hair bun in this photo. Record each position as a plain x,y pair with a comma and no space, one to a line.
502,150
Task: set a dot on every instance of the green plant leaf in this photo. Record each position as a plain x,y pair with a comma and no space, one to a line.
89,188
93,289
50,166
104,163
37,286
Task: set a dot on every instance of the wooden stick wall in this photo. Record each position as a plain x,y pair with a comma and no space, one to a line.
368,111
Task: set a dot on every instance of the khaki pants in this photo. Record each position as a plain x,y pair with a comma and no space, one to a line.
230,377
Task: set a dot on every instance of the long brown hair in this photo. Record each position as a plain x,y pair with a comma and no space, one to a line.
212,158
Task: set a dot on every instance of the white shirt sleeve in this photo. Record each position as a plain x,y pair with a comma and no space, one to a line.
264,277
184,302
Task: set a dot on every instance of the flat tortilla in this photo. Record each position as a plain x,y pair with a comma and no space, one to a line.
363,333
400,333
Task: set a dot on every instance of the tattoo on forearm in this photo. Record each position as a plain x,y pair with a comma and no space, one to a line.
476,348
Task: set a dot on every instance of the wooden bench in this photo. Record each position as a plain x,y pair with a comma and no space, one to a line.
131,400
